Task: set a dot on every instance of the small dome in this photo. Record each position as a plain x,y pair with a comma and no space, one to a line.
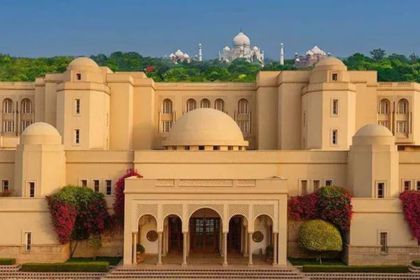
179,53
40,133
205,127
82,62
373,130
330,62
241,40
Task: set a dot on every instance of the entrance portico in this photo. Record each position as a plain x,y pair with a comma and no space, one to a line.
219,216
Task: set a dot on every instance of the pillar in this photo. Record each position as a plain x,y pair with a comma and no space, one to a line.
225,262
184,248
134,256
159,262
250,248
246,243
275,239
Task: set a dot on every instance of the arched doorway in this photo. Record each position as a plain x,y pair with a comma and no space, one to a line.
205,228
146,237
236,235
263,238
174,238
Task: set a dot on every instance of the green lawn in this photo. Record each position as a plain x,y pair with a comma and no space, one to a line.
110,260
311,261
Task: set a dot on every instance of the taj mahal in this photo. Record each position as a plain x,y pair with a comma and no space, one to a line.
219,160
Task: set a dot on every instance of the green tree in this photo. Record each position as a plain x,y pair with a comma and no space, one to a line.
378,54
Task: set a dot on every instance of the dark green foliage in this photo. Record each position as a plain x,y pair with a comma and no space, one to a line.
110,260
66,267
356,268
7,261
416,263
140,249
314,261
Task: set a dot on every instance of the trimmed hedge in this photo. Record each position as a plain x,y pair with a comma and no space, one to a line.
320,236
110,260
66,267
416,263
356,268
7,261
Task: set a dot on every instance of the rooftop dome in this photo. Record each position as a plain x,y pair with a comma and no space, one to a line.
373,134
205,127
241,39
82,62
373,130
329,63
40,133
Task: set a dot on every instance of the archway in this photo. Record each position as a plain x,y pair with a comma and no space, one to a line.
205,229
173,235
237,235
263,238
146,237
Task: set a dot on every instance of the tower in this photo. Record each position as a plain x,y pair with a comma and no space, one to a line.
200,52
281,54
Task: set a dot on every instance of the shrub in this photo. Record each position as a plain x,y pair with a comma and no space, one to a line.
411,208
320,236
416,263
140,249
334,206
356,268
304,207
66,267
7,261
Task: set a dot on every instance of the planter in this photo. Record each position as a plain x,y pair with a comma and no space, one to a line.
140,257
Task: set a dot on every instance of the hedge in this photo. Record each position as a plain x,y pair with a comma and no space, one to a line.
416,263
66,267
7,261
356,268
319,236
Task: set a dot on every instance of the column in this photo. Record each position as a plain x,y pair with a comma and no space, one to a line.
250,248
275,239
246,244
225,262
159,262
134,260
184,248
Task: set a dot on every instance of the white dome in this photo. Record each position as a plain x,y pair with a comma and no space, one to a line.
226,48
373,130
179,53
205,127
373,134
82,62
40,133
241,40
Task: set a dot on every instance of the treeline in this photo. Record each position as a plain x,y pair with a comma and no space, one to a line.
393,67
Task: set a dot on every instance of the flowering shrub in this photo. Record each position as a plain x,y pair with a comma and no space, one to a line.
411,208
119,196
78,213
331,203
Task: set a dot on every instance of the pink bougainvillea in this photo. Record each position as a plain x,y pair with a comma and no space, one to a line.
119,196
304,207
63,217
411,208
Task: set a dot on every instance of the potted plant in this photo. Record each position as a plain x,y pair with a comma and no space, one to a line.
140,253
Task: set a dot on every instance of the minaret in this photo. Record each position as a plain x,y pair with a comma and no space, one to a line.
281,54
200,52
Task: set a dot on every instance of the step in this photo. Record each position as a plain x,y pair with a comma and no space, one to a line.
360,276
414,269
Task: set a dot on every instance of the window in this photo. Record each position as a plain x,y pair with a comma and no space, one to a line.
403,106
304,187
5,184
418,185
166,126
407,185
243,106
78,76
8,106
334,77
380,190
316,184
383,241
334,137
77,106
328,182
8,126
219,104
191,104
205,103
84,183
31,189
24,124
201,148
384,106
108,187
167,106
96,185
26,106
77,136
402,126
28,241
335,107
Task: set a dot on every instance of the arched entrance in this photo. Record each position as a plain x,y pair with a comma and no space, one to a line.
205,229
146,237
263,238
236,235
174,238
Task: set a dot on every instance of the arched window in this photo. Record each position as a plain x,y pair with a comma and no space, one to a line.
191,104
26,106
403,106
243,106
384,107
8,106
205,103
219,104
167,106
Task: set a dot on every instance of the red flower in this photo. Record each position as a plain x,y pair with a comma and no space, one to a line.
411,208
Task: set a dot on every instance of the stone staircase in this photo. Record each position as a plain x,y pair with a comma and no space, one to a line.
17,275
361,276
414,269
9,268
205,273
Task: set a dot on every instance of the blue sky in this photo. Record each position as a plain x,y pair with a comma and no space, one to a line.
158,27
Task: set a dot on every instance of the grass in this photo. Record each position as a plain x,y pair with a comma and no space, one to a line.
110,260
312,261
356,268
66,267
7,261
